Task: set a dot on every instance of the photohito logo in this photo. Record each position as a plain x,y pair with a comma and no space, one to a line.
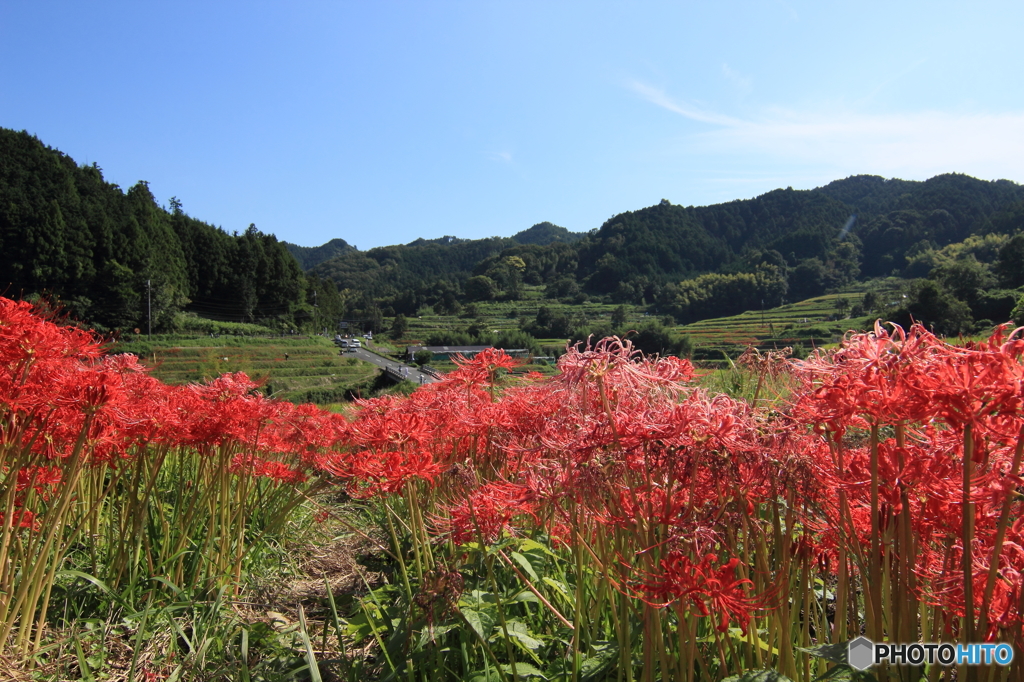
863,653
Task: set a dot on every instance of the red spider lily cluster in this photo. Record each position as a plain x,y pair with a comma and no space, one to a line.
894,471
83,437
932,497
617,454
656,479
59,392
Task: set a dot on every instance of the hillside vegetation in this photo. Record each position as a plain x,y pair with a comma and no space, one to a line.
120,261
299,369
951,239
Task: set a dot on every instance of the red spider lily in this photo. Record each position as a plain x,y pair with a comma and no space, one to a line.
483,369
941,400
486,512
255,466
42,479
23,518
373,473
707,589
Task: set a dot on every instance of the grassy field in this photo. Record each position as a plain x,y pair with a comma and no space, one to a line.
810,323
309,369
802,325
295,368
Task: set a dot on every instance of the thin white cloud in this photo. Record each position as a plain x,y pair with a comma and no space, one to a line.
917,143
506,156
658,97
913,144
742,83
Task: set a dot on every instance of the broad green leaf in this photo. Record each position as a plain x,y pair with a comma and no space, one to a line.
836,653
520,631
478,599
480,621
527,596
737,634
429,635
837,673
602,657
528,545
524,670
358,626
560,586
524,563
501,545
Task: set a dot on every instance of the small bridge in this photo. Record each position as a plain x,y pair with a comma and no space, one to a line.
424,375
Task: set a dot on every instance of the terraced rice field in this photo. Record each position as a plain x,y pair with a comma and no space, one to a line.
803,325
806,324
299,369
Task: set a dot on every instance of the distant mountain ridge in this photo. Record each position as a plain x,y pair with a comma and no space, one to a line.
310,256
541,234
67,234
546,233
861,226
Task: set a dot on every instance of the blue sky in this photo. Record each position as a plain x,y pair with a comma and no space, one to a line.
383,121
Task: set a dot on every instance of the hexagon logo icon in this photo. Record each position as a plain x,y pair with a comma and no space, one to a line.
861,653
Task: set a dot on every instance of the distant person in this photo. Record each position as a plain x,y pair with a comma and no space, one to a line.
285,356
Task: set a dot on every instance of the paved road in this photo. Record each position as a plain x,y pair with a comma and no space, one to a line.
414,374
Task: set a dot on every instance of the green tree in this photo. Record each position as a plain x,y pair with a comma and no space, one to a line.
935,307
481,288
619,317
808,279
374,319
653,338
399,327
964,278
1010,266
122,297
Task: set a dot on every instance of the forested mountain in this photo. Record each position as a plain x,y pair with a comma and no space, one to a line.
388,270
696,261
67,234
310,256
546,233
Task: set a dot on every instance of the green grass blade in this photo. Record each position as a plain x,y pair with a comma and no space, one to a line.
314,669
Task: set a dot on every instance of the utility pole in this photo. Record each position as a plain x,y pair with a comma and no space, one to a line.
316,314
149,297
